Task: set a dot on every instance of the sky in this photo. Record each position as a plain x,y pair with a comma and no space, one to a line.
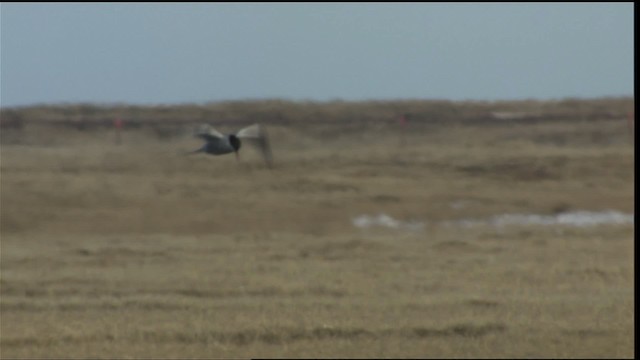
179,53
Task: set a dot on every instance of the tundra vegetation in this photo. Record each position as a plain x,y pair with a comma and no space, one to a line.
128,249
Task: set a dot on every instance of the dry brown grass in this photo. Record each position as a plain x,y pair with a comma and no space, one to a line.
134,251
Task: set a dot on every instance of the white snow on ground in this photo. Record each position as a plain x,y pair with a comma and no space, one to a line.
573,218
384,220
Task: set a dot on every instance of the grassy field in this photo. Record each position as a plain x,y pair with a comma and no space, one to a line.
135,251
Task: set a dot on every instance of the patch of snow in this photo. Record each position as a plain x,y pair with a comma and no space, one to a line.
574,218
383,220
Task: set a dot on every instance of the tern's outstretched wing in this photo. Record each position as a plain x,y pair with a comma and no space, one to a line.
256,134
208,133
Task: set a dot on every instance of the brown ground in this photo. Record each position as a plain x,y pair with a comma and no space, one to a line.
132,250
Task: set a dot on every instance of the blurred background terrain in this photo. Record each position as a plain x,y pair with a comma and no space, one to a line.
116,245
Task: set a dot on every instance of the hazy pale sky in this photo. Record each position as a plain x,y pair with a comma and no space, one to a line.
174,53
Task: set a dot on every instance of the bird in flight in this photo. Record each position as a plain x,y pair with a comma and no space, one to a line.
217,143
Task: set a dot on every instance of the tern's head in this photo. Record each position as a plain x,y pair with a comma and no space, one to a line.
235,142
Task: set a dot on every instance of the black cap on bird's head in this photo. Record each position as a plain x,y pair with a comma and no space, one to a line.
235,142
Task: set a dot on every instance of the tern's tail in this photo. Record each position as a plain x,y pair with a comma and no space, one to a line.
192,152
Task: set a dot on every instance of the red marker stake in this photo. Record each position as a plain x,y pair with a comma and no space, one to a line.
118,124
